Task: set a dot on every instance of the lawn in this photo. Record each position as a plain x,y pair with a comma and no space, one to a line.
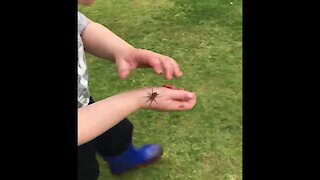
205,38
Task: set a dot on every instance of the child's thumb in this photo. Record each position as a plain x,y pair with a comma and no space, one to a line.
123,73
123,69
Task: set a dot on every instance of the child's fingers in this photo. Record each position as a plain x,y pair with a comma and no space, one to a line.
176,69
181,95
182,105
188,105
156,65
168,69
123,69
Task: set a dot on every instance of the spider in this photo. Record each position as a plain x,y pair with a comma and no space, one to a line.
152,97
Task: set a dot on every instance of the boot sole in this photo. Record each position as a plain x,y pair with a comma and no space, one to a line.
151,161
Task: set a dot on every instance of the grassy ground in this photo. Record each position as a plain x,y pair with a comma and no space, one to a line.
205,38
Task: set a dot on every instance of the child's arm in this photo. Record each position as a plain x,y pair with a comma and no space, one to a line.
96,118
101,42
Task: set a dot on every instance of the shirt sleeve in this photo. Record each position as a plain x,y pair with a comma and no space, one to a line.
82,22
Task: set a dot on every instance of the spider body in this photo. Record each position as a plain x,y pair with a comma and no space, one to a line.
152,97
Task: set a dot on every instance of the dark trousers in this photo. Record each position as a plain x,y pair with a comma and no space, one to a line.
112,142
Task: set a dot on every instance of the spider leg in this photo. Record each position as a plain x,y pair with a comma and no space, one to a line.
150,102
155,101
160,93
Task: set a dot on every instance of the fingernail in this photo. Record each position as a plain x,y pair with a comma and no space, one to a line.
190,95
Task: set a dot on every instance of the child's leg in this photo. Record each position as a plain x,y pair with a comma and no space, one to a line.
88,168
115,146
116,140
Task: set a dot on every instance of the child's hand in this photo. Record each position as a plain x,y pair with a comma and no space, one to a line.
165,99
137,58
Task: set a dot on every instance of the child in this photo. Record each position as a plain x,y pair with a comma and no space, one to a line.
103,126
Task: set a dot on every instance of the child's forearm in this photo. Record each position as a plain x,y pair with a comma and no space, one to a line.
98,117
101,42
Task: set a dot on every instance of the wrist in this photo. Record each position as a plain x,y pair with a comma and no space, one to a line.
137,97
142,98
123,52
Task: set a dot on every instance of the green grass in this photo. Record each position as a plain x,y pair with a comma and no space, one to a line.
205,38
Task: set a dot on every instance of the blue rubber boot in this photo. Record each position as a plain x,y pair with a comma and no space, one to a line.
133,158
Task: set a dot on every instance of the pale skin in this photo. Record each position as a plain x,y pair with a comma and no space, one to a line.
95,119
101,42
